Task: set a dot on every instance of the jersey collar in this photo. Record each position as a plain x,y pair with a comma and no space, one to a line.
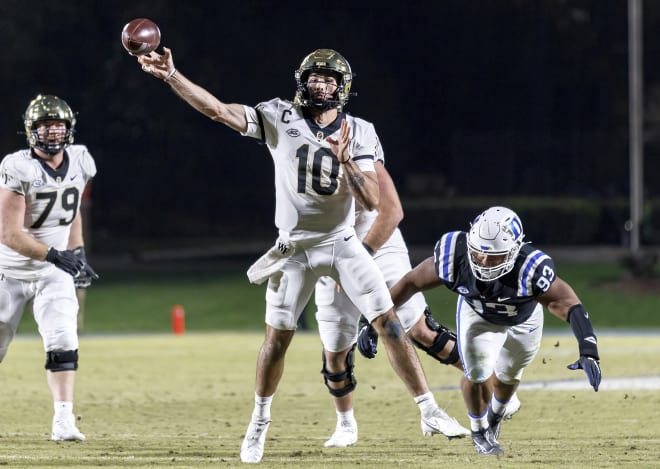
57,174
323,132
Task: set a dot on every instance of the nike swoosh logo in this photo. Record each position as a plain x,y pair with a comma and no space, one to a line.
346,238
532,329
503,298
73,177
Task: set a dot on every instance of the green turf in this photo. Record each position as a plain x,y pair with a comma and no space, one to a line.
217,296
160,400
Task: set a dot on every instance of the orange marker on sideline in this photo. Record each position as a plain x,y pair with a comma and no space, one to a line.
178,316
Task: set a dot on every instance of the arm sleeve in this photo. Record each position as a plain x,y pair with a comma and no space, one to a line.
578,317
255,128
365,145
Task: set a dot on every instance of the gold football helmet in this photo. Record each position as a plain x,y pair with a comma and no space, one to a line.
324,61
48,107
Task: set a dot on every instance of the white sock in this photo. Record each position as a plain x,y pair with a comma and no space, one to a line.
426,403
497,406
478,422
347,416
261,410
63,407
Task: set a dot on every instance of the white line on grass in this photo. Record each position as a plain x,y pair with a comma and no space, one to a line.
647,383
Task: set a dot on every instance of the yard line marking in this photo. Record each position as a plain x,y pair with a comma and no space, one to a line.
641,383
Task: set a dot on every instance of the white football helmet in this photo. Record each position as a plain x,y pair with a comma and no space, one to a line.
494,240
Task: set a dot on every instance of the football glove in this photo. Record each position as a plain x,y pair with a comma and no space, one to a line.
367,341
67,260
87,274
591,369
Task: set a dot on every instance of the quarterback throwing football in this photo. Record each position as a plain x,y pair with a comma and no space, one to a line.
324,161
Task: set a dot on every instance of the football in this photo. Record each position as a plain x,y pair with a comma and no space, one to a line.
140,36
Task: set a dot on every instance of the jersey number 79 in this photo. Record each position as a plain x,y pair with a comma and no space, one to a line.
69,201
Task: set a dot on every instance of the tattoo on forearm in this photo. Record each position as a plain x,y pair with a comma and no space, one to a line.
356,180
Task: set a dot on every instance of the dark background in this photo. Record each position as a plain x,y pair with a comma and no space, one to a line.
510,98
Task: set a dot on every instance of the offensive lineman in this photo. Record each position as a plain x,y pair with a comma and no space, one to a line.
324,160
503,284
41,248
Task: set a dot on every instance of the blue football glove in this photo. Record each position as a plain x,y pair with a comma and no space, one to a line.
591,369
367,341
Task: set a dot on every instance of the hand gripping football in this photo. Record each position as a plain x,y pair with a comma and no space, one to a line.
140,36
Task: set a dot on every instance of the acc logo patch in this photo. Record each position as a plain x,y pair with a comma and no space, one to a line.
462,290
293,133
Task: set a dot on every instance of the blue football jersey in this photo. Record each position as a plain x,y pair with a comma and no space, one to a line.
508,300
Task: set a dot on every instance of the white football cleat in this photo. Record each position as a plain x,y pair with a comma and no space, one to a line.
64,429
346,434
512,407
441,423
252,448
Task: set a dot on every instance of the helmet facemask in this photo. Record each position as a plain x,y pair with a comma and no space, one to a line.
324,62
48,108
494,241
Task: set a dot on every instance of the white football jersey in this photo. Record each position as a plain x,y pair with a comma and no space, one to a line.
52,200
312,195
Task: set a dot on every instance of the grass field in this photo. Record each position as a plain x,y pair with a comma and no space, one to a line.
147,398
217,296
161,400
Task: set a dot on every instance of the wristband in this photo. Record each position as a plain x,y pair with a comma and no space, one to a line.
368,248
583,330
170,74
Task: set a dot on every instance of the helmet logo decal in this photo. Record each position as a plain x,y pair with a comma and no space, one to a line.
513,227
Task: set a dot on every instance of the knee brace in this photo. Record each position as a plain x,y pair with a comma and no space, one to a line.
343,376
443,335
66,360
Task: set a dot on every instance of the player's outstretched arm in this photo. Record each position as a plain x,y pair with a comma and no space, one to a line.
162,66
561,300
364,186
418,279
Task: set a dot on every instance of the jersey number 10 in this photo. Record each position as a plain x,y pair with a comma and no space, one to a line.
317,166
